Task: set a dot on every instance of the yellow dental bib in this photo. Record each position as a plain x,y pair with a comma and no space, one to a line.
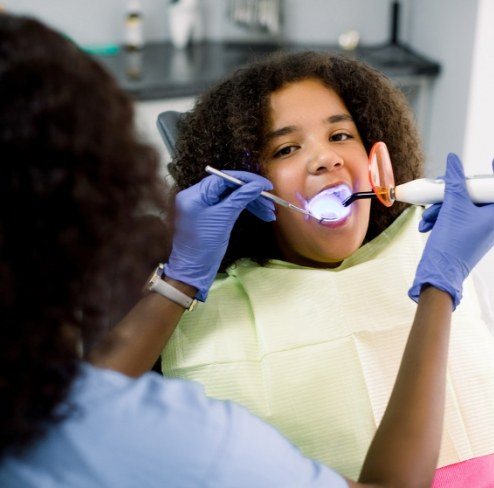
315,352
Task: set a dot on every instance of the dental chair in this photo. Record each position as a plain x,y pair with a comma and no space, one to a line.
167,124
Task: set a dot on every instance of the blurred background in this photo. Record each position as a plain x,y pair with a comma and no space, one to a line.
164,53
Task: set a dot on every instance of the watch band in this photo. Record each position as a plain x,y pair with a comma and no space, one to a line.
158,285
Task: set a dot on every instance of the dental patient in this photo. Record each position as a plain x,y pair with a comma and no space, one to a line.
306,324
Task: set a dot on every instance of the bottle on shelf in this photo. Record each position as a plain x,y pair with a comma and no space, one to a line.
134,38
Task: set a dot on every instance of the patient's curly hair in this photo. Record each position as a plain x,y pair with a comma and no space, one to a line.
227,127
76,189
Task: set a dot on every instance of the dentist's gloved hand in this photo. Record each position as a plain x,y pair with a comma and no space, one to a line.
430,214
462,233
205,215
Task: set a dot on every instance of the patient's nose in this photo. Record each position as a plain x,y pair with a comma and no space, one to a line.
324,159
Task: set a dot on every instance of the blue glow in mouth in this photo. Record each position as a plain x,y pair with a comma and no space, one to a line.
327,205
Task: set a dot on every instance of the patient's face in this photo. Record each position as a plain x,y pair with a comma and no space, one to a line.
313,144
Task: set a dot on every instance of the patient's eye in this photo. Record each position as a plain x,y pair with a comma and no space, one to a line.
284,151
340,137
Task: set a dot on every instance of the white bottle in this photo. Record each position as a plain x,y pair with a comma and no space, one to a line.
427,190
183,20
134,36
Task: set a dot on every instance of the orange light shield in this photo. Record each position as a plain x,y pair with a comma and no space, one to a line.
381,173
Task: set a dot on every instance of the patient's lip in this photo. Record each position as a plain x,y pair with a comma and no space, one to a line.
333,224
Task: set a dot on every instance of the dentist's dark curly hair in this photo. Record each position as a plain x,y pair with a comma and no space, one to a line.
75,184
227,127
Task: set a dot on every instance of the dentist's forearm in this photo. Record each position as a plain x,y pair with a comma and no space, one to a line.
135,343
405,449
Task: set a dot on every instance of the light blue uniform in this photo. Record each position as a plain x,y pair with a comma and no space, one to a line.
159,432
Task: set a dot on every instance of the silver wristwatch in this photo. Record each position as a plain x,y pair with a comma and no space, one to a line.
157,284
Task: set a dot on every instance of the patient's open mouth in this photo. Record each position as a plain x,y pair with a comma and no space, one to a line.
327,206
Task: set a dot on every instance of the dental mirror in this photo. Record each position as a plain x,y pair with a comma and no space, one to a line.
324,207
266,194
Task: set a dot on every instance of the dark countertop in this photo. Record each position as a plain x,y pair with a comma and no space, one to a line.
160,71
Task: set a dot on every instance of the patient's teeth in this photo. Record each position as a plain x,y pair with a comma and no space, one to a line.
327,205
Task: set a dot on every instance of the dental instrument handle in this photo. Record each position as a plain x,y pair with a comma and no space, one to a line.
269,196
426,191
358,196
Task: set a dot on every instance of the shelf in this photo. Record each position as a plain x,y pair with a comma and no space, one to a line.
160,71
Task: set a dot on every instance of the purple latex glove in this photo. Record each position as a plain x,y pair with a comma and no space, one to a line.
462,233
205,215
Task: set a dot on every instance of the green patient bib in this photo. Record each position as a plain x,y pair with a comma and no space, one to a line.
315,352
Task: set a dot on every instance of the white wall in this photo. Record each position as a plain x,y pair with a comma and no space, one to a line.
460,35
478,148
91,22
316,20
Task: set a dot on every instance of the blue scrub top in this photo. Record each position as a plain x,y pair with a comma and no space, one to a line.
152,431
